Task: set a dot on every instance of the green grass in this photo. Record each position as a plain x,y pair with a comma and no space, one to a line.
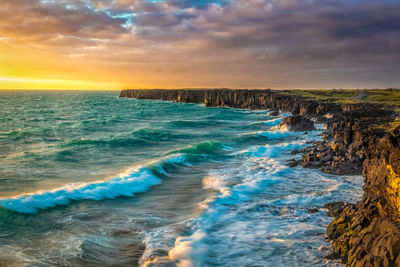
389,96
331,95
384,96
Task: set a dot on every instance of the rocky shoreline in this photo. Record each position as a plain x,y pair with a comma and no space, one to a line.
362,234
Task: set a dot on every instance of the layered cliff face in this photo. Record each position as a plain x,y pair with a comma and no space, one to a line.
366,234
187,96
261,99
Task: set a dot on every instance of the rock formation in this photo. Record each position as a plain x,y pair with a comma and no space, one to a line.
368,234
365,234
298,123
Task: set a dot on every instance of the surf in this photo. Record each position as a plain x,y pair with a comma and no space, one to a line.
132,181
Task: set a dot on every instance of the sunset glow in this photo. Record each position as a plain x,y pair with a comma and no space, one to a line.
116,44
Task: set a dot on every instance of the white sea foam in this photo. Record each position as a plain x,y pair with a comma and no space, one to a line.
286,114
129,183
214,182
277,134
263,167
281,113
238,220
273,122
274,151
190,251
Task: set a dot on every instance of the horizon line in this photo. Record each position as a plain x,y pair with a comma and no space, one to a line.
194,88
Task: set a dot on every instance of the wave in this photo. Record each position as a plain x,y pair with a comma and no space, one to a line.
192,123
122,142
275,151
273,122
206,151
139,137
258,172
133,181
9,132
263,167
277,134
250,139
157,134
269,135
192,250
259,124
208,147
17,134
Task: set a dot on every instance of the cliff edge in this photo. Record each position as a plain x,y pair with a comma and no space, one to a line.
360,137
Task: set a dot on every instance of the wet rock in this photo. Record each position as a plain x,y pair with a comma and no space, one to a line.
335,208
293,163
310,164
298,123
376,245
368,234
341,232
313,210
332,256
295,152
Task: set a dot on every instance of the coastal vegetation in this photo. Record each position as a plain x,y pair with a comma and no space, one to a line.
390,96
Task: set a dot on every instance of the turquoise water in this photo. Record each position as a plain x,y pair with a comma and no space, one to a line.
90,179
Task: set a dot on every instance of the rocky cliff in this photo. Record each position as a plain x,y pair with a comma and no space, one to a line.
262,99
368,233
365,234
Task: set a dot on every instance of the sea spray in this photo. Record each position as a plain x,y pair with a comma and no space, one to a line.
137,181
131,182
192,250
211,186
127,184
262,166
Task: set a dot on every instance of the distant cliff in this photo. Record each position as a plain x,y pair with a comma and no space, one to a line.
365,234
259,99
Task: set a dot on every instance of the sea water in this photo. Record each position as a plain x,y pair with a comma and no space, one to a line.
91,179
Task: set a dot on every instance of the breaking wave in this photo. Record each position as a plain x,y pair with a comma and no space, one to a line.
133,181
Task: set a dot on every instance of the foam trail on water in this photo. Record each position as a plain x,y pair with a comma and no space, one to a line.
133,181
192,250
274,151
280,134
265,166
273,122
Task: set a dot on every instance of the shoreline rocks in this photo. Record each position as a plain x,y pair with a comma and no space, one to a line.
372,231
298,123
364,234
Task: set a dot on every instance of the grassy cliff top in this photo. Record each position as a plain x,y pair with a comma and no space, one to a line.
384,96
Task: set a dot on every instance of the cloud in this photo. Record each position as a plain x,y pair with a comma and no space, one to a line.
32,19
265,42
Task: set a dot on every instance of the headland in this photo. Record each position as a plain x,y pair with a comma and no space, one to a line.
362,136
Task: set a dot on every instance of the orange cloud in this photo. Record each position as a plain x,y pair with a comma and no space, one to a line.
108,44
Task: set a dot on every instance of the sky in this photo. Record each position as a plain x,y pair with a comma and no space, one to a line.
116,44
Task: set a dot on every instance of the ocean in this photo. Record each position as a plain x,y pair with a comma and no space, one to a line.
91,179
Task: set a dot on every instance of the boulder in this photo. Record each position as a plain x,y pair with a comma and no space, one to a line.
298,123
335,208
